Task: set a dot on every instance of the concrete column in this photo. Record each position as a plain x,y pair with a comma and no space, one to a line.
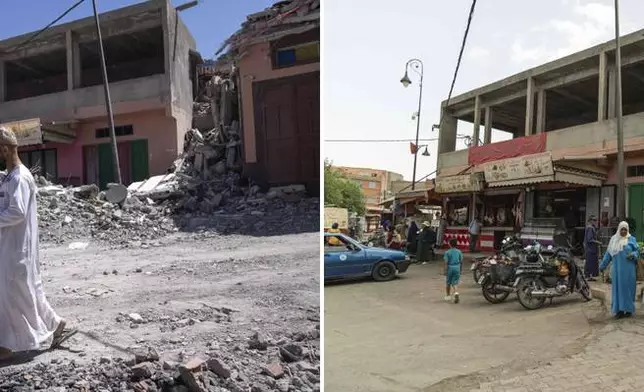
601,93
447,134
487,135
69,46
477,121
529,106
3,82
612,78
541,111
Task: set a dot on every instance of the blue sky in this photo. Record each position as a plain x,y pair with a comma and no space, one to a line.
211,22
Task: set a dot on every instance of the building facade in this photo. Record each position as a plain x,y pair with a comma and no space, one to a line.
560,164
57,79
376,186
277,52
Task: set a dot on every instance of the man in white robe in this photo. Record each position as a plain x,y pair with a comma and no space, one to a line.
26,318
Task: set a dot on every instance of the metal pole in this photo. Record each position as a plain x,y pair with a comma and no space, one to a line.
108,101
621,170
420,100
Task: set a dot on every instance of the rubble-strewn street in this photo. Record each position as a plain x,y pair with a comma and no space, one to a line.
230,313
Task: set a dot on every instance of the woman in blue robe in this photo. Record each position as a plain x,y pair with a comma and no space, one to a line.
623,251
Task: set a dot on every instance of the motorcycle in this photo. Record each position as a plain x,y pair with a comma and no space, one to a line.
510,247
497,283
538,279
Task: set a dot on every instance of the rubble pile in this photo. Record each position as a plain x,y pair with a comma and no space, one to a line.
72,214
291,364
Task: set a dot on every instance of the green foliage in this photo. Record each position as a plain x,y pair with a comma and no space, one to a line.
341,191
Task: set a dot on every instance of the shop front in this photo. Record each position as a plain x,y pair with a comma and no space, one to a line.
459,203
558,196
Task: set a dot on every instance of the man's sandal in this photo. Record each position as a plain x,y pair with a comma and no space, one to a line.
5,354
62,335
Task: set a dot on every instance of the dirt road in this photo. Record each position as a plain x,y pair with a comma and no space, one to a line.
196,297
402,336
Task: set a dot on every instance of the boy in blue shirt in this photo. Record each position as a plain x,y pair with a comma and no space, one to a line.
453,262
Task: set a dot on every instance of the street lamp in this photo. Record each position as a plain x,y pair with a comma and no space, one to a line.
416,66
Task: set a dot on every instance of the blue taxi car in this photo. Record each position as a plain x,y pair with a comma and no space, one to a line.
346,258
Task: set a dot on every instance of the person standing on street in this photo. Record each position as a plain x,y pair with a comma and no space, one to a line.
426,243
26,318
442,226
623,253
412,238
591,266
452,271
475,231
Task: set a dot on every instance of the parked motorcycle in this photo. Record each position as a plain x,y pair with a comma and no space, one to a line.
497,282
510,248
538,278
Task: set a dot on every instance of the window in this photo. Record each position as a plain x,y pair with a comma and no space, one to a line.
335,244
297,55
635,171
372,185
122,130
43,162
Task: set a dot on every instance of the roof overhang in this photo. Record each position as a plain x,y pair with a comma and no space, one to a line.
32,132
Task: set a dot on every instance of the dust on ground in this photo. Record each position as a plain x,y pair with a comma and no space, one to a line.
221,313
402,335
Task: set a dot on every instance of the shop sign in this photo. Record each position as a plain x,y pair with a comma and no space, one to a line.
28,132
536,165
458,184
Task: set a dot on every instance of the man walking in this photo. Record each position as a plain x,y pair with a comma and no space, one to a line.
26,318
475,231
591,266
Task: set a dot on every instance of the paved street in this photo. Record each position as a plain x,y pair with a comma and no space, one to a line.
402,336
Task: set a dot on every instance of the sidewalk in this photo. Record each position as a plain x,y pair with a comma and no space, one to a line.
602,292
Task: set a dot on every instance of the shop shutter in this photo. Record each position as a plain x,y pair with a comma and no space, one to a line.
105,165
140,160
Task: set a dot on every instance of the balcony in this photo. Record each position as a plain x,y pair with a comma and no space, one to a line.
146,93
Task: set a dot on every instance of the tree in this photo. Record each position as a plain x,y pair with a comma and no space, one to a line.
341,191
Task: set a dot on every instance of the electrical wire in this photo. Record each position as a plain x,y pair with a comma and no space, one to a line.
39,32
460,58
435,139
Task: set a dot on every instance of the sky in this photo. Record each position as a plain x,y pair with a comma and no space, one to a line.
210,23
366,44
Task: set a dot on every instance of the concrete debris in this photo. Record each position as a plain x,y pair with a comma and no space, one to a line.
149,373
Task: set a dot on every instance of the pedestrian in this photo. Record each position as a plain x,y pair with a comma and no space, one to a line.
412,238
26,318
426,243
623,252
591,266
475,231
453,267
393,239
333,240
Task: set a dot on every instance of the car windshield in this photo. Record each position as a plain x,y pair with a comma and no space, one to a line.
352,241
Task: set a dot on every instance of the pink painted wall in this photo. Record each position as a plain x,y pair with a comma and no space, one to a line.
629,161
155,126
256,66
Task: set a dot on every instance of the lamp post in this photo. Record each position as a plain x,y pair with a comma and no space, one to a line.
417,66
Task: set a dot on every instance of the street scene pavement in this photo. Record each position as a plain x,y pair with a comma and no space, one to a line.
402,336
245,306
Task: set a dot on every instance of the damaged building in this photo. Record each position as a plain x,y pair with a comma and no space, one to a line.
56,80
266,86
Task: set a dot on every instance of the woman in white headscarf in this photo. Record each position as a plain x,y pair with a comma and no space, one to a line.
623,251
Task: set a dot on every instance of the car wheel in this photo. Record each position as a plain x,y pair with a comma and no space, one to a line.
384,271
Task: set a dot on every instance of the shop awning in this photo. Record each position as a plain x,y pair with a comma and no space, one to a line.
577,179
521,181
32,132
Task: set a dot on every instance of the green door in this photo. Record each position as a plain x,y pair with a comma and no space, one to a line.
636,208
139,159
105,165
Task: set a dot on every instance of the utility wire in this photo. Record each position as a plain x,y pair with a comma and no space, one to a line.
435,139
458,61
39,32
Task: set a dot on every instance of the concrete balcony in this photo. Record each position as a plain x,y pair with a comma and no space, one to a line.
593,141
128,96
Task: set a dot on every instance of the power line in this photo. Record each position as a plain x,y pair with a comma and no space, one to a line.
458,61
39,32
